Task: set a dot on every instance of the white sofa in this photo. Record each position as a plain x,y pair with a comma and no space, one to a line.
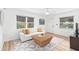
25,37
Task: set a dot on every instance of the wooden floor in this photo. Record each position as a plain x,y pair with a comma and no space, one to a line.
64,46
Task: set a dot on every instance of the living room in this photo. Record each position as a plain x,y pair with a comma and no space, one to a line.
45,20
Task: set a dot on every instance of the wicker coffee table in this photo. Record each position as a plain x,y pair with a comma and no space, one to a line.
42,39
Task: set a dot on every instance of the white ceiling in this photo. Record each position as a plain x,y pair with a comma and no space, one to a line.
43,10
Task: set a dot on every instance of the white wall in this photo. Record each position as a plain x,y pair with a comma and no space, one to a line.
1,38
9,22
53,23
49,22
1,32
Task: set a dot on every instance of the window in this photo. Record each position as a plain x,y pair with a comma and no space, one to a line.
66,22
21,22
30,22
41,21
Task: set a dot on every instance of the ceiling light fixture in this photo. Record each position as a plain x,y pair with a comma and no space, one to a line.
47,11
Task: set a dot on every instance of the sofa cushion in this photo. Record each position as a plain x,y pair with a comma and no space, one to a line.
26,31
40,29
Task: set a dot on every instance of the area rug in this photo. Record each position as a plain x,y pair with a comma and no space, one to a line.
32,46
